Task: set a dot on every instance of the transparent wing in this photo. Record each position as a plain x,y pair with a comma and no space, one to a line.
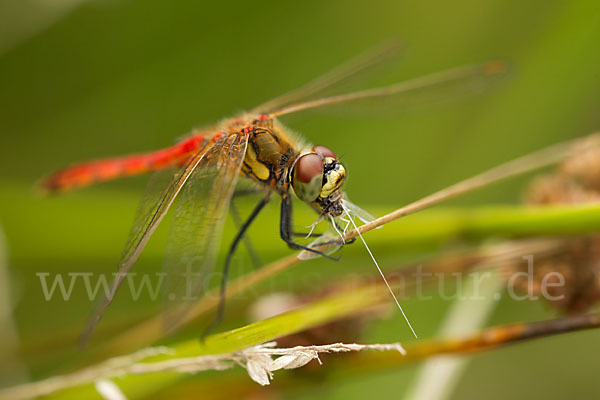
358,212
333,78
154,205
198,224
329,242
470,77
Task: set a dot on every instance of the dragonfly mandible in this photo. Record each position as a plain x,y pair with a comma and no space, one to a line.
257,147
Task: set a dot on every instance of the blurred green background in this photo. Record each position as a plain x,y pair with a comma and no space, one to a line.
87,79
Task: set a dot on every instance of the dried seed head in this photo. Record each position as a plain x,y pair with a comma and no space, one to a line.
584,166
576,287
576,181
558,189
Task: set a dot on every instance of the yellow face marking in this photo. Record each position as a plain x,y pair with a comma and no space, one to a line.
257,168
334,181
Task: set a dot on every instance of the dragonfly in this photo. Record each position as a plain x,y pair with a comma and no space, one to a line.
205,168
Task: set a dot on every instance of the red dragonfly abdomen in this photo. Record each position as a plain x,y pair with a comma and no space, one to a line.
88,173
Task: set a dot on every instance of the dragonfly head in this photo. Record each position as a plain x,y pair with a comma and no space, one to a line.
317,177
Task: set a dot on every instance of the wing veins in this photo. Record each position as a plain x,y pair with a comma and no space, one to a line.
339,74
196,232
139,239
429,81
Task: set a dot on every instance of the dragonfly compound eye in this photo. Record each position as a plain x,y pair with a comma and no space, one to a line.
324,152
307,177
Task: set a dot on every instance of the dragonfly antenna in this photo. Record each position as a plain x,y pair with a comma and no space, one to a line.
380,272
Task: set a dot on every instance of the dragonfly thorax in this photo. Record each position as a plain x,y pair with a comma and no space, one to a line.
317,177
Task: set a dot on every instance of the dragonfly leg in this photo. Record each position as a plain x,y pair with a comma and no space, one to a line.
285,228
304,234
237,219
228,259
